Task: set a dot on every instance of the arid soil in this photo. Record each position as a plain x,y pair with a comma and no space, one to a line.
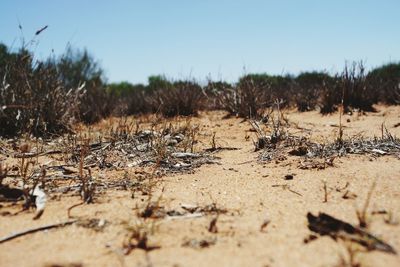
262,218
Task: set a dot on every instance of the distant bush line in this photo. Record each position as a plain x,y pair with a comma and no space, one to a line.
47,97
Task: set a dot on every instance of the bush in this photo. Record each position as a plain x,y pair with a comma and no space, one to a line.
181,98
282,90
160,96
214,91
386,81
331,95
308,87
351,89
46,97
78,69
357,93
32,98
251,96
244,100
131,99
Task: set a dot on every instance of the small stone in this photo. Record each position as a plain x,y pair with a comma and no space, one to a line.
289,177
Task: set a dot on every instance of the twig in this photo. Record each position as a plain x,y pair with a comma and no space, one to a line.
287,187
245,162
74,206
362,215
186,216
212,228
61,176
35,154
38,229
297,193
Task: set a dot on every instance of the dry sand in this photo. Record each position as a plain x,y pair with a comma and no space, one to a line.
244,187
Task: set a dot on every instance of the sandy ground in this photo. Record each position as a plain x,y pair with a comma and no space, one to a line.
247,189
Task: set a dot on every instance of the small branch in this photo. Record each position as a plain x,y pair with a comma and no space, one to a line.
362,215
287,187
73,206
34,230
295,192
35,154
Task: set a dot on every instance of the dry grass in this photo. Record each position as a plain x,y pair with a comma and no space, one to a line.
138,234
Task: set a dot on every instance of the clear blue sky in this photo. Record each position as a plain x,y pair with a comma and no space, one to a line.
188,38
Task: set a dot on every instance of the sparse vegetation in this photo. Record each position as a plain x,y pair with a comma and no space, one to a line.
138,234
48,97
68,136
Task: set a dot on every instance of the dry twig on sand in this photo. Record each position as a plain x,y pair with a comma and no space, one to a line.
38,229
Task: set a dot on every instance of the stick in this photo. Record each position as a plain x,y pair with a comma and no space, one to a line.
73,206
297,193
285,186
325,192
35,154
34,230
186,216
362,215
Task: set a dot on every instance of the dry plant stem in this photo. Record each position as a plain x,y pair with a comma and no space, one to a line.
325,192
340,139
86,191
193,134
27,174
212,228
297,193
264,225
213,142
138,237
362,215
3,173
352,253
286,186
73,206
38,229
